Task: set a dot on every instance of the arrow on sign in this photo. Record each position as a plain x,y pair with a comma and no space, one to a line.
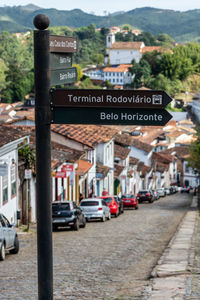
110,116
110,98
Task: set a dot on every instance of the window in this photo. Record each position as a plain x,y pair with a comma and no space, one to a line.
187,168
5,189
13,180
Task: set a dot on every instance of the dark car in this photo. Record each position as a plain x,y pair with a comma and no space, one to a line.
130,201
67,214
120,204
8,238
145,195
185,189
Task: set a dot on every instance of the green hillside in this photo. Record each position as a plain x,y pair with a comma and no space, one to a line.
182,26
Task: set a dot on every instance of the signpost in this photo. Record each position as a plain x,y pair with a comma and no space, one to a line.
109,107
53,55
63,76
61,49
110,116
109,98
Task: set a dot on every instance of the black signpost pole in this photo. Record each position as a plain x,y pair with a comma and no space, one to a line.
43,158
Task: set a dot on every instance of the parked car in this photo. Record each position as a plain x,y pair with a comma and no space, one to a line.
168,191
112,204
161,192
156,195
130,200
67,214
185,189
120,204
8,238
95,208
145,195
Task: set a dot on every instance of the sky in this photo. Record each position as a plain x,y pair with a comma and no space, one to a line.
103,7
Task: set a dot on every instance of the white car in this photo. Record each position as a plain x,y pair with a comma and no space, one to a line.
161,192
95,208
8,238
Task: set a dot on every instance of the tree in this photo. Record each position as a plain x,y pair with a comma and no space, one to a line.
142,72
79,71
98,58
18,83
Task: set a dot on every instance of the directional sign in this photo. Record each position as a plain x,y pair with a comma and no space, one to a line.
63,44
110,98
110,116
63,76
60,60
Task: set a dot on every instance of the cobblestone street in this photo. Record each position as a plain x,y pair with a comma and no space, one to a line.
111,260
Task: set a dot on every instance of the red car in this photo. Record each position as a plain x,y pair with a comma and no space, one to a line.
130,200
112,204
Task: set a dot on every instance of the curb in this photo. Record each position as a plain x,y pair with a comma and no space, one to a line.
171,275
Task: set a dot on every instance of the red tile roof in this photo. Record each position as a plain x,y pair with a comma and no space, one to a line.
90,135
127,45
83,167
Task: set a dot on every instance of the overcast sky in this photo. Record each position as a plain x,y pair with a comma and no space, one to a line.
100,7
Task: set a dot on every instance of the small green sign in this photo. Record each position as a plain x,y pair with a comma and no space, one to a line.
60,60
63,76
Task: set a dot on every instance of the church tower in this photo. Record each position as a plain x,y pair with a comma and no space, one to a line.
110,39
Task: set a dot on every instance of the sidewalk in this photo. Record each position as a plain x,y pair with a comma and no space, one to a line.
177,274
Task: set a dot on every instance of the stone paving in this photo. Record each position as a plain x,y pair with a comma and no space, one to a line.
177,273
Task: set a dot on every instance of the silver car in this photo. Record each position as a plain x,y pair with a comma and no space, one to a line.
95,208
161,192
8,238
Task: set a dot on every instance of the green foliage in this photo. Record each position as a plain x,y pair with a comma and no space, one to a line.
98,59
127,27
182,26
28,155
79,71
87,84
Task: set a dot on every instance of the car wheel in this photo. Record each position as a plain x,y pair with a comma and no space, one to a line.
16,246
109,216
76,225
151,201
2,252
103,218
136,207
117,214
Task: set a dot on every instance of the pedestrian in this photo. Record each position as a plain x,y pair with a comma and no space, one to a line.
80,197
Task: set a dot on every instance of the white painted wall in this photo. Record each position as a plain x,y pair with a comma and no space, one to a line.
123,56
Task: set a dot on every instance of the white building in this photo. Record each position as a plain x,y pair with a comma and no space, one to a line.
9,181
122,52
118,75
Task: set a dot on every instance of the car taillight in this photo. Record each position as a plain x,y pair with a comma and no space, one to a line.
100,208
148,194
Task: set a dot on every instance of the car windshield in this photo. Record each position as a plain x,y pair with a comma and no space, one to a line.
89,203
108,199
60,206
127,196
143,192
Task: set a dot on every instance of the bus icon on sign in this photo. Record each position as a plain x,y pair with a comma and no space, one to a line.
157,99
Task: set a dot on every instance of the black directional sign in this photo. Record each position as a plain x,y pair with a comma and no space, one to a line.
110,116
60,60
110,98
63,76
63,44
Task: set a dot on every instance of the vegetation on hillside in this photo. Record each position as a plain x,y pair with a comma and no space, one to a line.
175,70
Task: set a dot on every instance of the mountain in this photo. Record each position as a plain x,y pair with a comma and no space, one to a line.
182,26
